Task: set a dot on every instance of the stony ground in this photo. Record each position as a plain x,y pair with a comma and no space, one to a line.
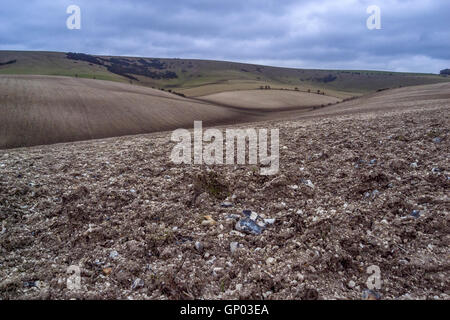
353,191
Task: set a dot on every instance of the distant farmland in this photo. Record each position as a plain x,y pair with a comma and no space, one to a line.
201,77
51,97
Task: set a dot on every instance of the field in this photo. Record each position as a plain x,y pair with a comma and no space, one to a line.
43,109
397,99
86,180
361,183
269,99
204,77
52,64
52,97
50,109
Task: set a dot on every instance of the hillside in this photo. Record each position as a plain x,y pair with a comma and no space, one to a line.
51,97
135,223
42,110
202,77
50,109
269,99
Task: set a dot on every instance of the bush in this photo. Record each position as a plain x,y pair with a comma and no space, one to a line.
328,78
8,62
125,67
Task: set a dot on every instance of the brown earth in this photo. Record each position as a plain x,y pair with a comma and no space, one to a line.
122,211
269,99
39,110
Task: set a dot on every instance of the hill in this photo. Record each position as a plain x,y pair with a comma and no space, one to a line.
202,77
40,110
50,109
44,109
269,99
363,183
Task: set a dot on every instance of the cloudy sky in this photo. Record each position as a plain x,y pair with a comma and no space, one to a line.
328,34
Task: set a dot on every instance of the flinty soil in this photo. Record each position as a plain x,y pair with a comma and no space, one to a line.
353,191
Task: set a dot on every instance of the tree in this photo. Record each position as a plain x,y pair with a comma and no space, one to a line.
445,72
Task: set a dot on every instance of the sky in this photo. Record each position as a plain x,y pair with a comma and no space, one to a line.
324,34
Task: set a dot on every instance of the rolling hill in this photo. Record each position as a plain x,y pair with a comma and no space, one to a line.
43,110
275,100
40,110
51,97
202,77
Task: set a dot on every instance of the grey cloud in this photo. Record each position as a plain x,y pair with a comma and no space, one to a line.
313,34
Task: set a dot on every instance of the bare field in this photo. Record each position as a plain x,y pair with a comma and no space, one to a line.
134,222
41,110
269,99
395,99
